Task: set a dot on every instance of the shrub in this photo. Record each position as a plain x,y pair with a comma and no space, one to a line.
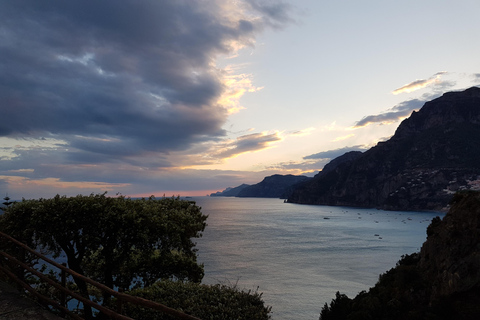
203,301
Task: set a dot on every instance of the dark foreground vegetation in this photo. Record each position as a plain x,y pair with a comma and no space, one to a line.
141,246
441,282
204,301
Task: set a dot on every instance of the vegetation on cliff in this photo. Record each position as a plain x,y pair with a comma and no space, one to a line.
440,282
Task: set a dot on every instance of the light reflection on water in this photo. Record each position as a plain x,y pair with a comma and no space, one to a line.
300,255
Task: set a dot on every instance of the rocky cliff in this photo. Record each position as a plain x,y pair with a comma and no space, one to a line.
450,258
433,153
439,283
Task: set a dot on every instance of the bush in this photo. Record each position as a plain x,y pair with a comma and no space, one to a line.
200,300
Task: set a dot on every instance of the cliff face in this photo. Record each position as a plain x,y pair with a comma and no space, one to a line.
276,186
450,257
440,282
435,152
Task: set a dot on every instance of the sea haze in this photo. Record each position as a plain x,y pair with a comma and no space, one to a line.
300,255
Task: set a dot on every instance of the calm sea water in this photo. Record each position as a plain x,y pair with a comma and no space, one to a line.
300,255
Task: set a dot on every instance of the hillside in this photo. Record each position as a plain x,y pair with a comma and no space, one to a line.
230,192
440,282
433,153
275,186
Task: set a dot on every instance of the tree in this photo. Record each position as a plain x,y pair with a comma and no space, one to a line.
120,242
7,202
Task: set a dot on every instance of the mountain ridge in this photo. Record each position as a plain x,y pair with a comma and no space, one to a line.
274,186
230,191
433,153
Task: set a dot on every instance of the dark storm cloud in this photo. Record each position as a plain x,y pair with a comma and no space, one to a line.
332,154
117,78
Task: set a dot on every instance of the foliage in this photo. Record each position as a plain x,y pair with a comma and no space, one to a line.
339,308
17,227
203,301
120,242
397,295
433,225
440,282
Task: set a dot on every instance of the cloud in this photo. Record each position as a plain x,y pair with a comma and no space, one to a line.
4,186
24,187
400,111
275,13
99,93
419,84
109,95
405,108
246,143
308,167
303,132
343,137
115,79
331,127
57,183
313,163
236,85
141,182
331,154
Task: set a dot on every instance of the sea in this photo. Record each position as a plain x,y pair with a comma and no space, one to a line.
299,256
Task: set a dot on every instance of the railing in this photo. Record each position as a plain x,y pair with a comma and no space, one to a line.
121,297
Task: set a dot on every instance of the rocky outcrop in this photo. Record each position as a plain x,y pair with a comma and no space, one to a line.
434,153
276,186
439,283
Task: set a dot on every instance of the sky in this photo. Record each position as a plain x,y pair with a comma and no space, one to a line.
189,97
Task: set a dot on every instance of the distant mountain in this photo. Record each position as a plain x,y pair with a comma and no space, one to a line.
276,186
440,282
435,152
230,192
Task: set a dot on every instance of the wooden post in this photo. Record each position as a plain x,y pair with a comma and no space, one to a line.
120,302
63,297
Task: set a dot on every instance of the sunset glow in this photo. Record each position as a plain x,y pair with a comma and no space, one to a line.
192,97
